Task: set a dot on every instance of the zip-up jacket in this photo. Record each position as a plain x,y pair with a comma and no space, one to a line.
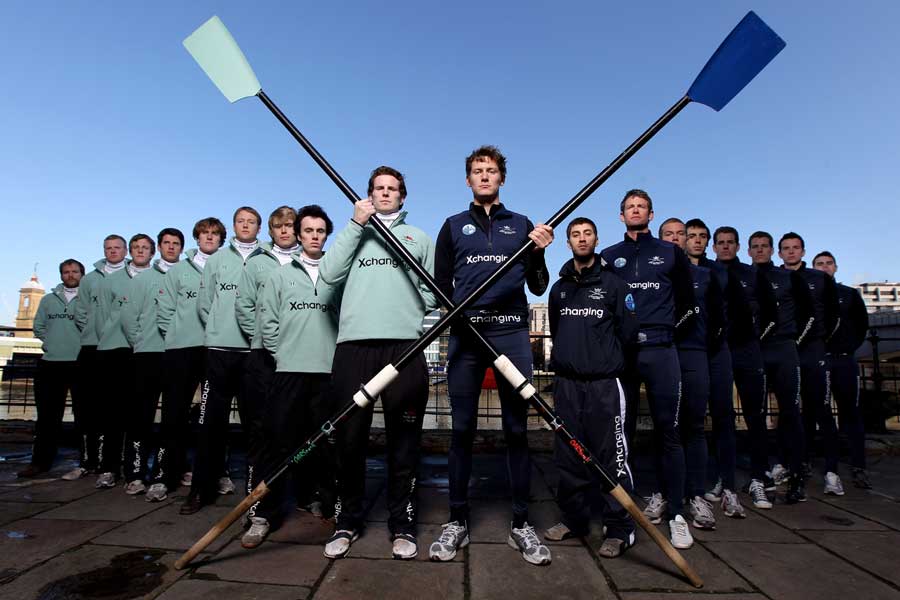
139,313
253,279
854,323
658,274
298,319
113,294
382,298
704,332
215,304
752,305
473,244
826,308
54,324
590,322
177,316
795,315
84,311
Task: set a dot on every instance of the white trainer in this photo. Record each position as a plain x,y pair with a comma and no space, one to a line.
132,488
157,492
680,533
76,473
226,485
833,485
405,547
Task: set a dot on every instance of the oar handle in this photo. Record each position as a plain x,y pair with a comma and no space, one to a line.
216,530
638,515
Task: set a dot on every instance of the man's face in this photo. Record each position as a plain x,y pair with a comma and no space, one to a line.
70,275
826,264
484,178
386,194
209,241
697,241
282,233
114,251
313,235
582,240
170,248
673,232
637,214
760,250
141,252
726,246
791,251
246,227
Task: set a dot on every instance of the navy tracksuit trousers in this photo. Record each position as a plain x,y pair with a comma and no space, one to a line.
721,409
695,388
845,387
782,366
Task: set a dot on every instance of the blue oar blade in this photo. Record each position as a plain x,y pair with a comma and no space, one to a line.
221,59
744,53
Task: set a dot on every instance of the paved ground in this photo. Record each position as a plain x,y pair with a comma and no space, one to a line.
66,540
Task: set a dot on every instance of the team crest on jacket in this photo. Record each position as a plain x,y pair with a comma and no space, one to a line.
468,229
629,302
562,295
619,262
656,260
597,294
507,230
409,239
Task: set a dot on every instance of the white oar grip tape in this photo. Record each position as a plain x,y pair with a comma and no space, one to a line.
368,392
514,377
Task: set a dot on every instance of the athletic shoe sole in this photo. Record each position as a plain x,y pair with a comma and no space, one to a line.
539,561
462,544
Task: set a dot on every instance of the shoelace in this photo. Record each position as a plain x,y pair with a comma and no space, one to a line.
679,528
450,532
717,489
257,529
654,502
758,491
703,508
529,537
730,498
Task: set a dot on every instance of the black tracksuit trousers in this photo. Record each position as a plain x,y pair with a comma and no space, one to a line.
782,366
115,403
750,380
403,403
815,390
258,375
52,382
594,413
148,385
87,411
845,387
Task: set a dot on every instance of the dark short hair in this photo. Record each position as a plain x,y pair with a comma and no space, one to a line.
315,211
580,221
250,210
762,234
791,235
385,170
696,224
727,229
71,261
666,222
824,253
142,236
115,236
635,193
487,152
213,224
170,231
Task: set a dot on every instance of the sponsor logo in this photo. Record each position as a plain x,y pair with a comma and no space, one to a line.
629,302
468,229
619,262
597,294
191,294
642,337
495,319
743,284
656,260
562,295
308,306
204,396
507,230
580,451
812,286
620,449
61,316
381,262
227,287
480,258
581,312
644,285
774,286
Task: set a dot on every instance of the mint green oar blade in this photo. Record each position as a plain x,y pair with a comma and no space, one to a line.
221,59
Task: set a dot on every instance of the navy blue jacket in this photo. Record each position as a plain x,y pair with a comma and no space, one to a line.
590,322
854,323
795,306
470,247
752,308
826,308
658,274
705,330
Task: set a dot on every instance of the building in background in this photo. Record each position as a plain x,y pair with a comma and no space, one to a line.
30,296
880,297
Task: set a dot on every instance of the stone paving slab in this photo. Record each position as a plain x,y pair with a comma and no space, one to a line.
352,578
13,511
28,542
755,528
433,506
81,563
300,527
793,571
165,528
815,514
57,490
871,506
270,563
645,567
490,519
665,596
108,505
498,571
198,589
876,552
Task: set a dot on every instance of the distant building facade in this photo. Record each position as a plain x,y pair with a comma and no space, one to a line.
30,296
880,297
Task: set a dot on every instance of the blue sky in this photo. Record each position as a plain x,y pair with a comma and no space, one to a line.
109,125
